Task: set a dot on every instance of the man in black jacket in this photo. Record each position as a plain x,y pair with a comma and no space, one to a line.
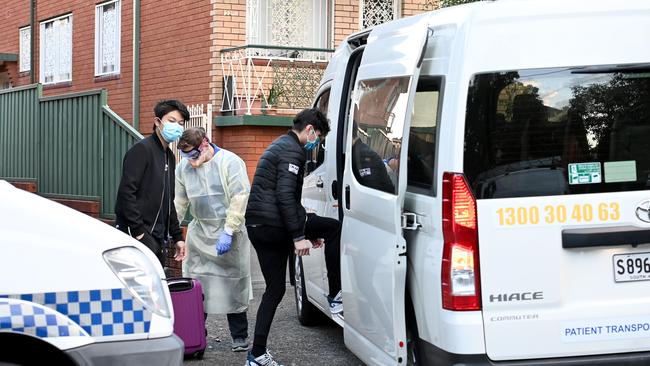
277,223
144,208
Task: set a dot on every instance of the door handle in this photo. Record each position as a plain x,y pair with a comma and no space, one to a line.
335,189
347,197
319,183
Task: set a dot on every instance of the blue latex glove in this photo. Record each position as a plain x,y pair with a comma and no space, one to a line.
224,243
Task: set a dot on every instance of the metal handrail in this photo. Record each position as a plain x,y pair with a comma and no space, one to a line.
269,47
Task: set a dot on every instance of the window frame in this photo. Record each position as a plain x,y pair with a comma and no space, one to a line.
98,37
325,90
441,98
26,50
356,105
42,26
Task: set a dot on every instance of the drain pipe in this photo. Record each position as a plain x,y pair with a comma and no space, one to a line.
32,40
136,64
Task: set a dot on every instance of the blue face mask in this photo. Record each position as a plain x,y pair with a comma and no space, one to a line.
310,145
171,131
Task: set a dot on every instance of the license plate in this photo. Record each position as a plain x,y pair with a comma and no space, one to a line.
632,267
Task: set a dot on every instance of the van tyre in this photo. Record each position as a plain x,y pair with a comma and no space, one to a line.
308,314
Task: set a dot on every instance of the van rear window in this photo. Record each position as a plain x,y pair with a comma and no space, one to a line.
558,131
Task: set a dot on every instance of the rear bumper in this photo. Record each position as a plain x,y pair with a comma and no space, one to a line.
157,351
432,355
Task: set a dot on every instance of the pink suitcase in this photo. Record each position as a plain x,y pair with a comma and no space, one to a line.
189,318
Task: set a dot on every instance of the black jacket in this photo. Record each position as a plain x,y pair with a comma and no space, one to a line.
147,190
369,168
277,187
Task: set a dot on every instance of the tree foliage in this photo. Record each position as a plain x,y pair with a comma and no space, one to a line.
446,3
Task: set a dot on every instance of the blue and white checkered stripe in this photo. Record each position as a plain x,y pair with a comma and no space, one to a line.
98,312
29,318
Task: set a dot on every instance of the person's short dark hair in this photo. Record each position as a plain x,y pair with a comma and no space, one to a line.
314,117
165,106
192,137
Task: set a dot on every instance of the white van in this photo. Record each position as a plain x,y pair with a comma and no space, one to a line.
75,291
516,136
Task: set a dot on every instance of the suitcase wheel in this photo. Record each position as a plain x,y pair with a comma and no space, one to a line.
198,355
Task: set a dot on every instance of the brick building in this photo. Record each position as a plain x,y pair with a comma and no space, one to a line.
256,61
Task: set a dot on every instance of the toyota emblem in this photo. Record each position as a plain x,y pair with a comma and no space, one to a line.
643,211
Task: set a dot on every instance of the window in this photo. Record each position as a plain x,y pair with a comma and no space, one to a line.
422,136
56,50
25,36
290,23
107,38
377,129
316,157
375,12
558,131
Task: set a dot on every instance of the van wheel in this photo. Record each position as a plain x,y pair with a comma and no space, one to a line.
308,314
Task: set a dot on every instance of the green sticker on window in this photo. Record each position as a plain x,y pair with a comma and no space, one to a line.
620,171
585,173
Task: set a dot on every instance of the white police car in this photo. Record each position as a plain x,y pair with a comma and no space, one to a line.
76,291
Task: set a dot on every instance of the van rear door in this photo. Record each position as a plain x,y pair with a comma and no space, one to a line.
559,162
373,261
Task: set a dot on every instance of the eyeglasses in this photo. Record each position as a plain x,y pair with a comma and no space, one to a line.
192,154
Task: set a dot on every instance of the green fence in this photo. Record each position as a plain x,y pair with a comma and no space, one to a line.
71,144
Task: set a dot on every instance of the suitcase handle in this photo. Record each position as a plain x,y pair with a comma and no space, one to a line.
178,284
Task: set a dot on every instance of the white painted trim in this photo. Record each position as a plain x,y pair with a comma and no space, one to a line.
21,67
42,49
118,53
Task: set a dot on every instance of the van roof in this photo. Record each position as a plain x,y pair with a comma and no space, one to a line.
518,34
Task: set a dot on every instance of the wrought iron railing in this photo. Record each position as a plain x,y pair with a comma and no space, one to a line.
270,79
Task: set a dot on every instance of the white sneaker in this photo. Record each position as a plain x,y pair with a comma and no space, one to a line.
263,360
336,304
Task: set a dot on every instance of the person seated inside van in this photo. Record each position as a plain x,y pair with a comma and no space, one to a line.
368,167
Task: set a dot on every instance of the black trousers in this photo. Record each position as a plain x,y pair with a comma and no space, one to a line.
329,229
238,325
274,247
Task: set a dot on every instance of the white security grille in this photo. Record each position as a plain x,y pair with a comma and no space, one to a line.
252,21
375,12
25,39
293,23
289,22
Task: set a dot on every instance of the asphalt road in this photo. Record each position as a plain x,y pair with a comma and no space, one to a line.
289,342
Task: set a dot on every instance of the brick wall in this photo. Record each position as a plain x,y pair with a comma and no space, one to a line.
174,59
249,142
414,7
13,15
228,30
174,54
346,19
83,51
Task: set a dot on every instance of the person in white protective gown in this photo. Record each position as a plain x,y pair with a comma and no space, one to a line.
212,183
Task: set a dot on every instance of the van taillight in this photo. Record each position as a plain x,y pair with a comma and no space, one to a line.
460,263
